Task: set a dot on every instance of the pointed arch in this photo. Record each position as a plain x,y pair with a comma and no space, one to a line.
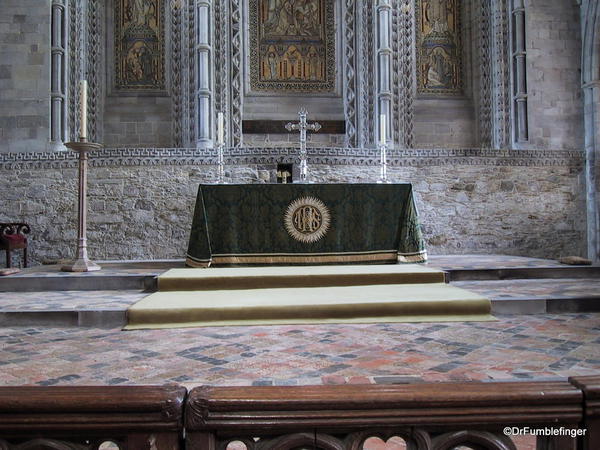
591,41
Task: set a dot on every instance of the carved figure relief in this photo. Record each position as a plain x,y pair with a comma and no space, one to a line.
139,45
292,45
439,47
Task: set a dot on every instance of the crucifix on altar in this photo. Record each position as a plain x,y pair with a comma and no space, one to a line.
303,126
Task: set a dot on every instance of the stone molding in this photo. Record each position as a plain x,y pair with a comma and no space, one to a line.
115,157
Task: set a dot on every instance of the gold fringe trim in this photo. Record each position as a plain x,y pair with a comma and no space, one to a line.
197,264
297,259
315,259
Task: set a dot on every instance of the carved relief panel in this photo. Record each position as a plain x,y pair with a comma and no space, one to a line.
292,45
139,45
439,47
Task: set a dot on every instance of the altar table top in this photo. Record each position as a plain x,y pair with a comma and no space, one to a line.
239,224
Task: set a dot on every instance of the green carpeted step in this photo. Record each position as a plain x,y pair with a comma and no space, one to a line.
338,304
296,276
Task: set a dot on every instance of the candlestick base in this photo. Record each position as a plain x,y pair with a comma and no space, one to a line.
80,265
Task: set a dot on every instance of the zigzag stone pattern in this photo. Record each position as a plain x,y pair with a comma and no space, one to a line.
116,157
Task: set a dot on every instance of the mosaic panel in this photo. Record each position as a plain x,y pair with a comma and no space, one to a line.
139,45
439,47
292,45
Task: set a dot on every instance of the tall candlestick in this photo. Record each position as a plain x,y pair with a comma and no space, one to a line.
83,109
220,139
382,137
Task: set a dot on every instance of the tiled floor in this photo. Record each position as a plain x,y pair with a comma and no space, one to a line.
69,300
562,288
514,348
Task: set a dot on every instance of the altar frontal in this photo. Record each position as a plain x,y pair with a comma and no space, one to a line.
305,224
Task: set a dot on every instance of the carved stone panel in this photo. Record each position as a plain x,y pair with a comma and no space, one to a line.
292,45
139,45
439,47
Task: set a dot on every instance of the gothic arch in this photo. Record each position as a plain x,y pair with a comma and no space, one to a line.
590,77
591,41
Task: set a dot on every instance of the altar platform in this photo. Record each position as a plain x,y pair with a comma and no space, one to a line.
44,295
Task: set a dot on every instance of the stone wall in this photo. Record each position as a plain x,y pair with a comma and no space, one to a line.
141,201
24,75
553,40
445,122
137,121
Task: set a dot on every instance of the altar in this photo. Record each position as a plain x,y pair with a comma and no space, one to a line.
244,224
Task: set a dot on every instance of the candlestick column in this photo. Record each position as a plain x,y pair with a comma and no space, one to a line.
384,56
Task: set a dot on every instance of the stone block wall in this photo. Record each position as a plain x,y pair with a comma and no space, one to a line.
445,123
553,40
140,207
24,75
137,121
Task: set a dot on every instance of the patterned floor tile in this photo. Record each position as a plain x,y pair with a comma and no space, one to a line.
513,348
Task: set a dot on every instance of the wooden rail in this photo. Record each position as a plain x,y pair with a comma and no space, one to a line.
91,418
438,416
427,416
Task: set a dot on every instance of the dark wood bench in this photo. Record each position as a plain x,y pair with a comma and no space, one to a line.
13,237
79,417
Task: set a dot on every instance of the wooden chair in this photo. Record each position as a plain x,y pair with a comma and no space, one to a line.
12,237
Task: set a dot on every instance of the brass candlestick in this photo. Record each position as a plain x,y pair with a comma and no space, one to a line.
81,263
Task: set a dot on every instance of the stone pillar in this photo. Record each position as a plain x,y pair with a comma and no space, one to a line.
204,74
58,75
500,73
591,92
520,121
590,22
384,57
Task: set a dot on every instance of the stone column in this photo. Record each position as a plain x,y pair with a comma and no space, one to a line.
591,92
204,74
520,121
58,75
590,18
384,57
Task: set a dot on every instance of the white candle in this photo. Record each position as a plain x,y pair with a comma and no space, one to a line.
382,139
220,129
83,109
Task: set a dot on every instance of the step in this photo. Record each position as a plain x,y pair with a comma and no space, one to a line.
337,304
296,276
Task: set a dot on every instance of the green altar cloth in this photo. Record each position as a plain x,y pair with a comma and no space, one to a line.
305,224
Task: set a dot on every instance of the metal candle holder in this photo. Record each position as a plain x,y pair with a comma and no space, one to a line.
81,263
221,164
383,164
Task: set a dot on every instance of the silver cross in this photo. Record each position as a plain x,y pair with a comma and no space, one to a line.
303,126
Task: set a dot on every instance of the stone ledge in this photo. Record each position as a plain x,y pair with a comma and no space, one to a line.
116,157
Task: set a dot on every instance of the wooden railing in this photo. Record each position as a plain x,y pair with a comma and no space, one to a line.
437,416
91,418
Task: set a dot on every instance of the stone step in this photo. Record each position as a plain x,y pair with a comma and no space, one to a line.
515,273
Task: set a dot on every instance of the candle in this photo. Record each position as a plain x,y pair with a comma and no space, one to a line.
220,140
382,137
83,109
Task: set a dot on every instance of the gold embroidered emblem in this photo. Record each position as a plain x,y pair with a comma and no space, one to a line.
307,219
